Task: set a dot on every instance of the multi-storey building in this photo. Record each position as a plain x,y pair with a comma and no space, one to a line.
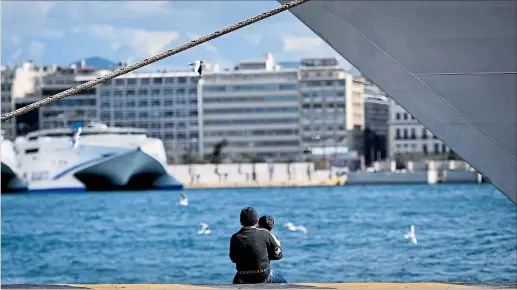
164,103
377,115
7,77
255,108
408,137
332,113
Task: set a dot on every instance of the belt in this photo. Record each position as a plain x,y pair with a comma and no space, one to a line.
253,271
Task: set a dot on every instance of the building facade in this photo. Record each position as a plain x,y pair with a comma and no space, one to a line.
377,117
332,106
7,105
255,108
164,103
409,138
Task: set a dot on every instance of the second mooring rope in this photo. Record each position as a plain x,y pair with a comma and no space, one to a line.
150,60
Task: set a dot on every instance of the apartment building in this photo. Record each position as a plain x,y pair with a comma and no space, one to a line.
332,113
255,108
407,137
164,103
376,117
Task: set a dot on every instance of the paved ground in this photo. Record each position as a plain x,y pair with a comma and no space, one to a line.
348,286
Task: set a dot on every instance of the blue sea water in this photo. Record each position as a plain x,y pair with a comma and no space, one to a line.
464,232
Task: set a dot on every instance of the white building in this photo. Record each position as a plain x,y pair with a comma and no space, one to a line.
164,103
332,113
408,137
255,108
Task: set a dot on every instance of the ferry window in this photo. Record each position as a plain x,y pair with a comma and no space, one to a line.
119,82
31,151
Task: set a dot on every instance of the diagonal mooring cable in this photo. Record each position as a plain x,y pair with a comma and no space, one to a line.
150,60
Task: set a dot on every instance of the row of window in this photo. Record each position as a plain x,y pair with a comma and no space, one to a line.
330,94
327,83
322,106
6,87
405,134
437,148
324,117
251,110
237,133
148,114
157,125
145,103
259,143
252,99
154,81
145,92
324,139
329,128
253,87
251,121
73,102
405,116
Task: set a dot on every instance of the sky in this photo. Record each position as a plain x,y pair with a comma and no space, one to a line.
60,32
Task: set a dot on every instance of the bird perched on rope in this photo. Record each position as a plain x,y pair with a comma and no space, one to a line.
198,66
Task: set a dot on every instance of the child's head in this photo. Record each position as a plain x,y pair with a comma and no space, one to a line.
267,222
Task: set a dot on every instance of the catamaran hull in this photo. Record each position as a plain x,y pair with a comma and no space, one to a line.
132,169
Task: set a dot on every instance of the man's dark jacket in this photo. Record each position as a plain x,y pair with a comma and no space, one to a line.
251,249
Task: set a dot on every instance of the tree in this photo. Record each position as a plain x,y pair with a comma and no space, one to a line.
216,157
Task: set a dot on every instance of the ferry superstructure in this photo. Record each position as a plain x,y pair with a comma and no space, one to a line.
11,180
93,158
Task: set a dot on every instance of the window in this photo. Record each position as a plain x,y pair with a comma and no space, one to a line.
424,149
436,148
397,116
143,92
119,82
413,133
444,148
424,133
157,81
405,116
144,81
169,80
405,134
182,80
131,82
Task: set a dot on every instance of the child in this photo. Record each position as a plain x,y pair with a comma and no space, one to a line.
267,222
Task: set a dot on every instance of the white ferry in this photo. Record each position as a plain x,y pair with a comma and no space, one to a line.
93,158
11,179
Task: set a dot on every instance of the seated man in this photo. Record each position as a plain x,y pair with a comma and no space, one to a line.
251,249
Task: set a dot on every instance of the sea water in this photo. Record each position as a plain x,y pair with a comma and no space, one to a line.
356,233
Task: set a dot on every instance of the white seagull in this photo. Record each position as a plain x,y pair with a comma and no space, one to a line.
183,199
205,230
411,235
198,66
290,226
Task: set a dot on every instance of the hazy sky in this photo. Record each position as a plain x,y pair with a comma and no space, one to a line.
64,31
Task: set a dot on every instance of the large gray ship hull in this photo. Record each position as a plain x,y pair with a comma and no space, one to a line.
451,64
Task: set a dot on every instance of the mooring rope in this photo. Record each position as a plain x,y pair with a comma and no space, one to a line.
150,60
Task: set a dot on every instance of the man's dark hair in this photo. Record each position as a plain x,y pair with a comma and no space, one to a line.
267,222
248,217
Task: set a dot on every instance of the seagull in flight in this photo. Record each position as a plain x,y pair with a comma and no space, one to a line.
205,230
198,66
411,235
183,199
290,226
